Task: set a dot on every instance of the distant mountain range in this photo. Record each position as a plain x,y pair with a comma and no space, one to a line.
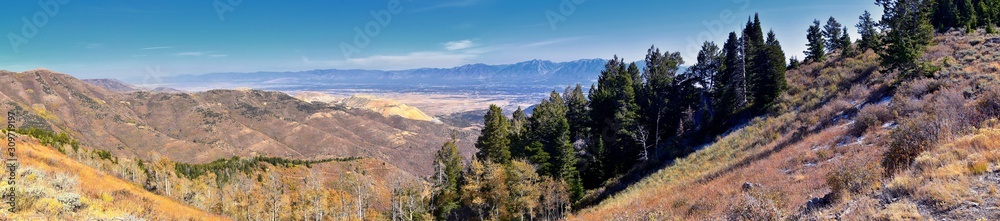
533,72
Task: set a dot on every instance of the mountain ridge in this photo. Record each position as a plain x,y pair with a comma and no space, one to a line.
204,126
536,71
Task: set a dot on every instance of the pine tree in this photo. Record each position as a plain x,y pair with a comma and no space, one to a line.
552,129
870,38
540,158
815,50
845,39
909,33
659,99
767,84
447,173
577,112
832,34
708,65
494,143
753,44
593,174
755,57
945,16
793,63
614,113
728,83
777,67
967,15
518,134
704,73
753,39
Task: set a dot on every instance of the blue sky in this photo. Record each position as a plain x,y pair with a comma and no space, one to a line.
130,39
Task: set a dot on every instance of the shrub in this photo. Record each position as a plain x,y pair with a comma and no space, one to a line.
855,175
70,201
64,181
944,194
988,103
953,115
870,116
902,210
755,206
913,136
979,167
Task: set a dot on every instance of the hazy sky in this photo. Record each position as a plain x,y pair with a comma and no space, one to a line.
129,39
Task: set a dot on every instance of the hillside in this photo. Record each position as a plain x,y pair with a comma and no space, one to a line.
205,126
386,107
114,85
824,155
54,186
56,182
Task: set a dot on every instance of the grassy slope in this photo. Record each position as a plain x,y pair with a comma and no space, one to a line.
103,195
789,170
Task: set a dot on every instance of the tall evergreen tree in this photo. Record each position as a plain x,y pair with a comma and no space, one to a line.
537,155
552,129
494,143
593,175
945,15
967,15
704,72
728,84
832,34
577,113
658,98
518,134
753,39
777,84
870,38
845,39
814,49
767,84
614,113
447,173
708,65
754,58
909,31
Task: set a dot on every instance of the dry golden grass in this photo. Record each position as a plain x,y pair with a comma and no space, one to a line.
903,210
105,196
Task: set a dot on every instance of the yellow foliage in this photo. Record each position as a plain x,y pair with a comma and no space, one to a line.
48,206
106,197
979,167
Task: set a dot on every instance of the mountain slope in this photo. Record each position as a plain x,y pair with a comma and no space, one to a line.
57,187
201,127
822,156
114,85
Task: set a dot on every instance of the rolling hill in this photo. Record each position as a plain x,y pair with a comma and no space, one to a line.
205,126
